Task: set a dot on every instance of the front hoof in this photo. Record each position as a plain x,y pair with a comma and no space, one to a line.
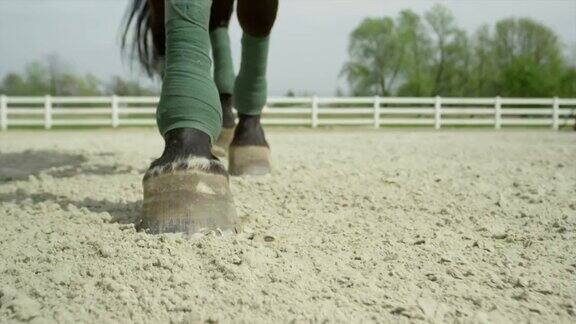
188,196
249,160
220,149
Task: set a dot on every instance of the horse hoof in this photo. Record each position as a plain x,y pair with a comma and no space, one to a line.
188,196
249,160
220,149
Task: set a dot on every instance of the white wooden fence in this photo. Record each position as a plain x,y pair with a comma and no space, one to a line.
435,112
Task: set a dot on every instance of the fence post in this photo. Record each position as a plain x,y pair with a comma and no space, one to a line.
3,112
498,113
438,113
115,115
377,112
555,113
314,112
47,112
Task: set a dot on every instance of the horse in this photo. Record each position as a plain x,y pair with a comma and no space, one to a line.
187,189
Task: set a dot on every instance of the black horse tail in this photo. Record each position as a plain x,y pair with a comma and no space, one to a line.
148,41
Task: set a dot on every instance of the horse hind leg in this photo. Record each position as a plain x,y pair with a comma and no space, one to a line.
249,151
220,15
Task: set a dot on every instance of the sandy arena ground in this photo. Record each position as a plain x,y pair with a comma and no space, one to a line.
353,226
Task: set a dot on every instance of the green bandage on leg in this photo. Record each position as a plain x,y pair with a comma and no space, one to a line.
250,89
189,96
223,66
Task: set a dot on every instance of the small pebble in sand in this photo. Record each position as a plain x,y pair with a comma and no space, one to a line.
499,236
269,238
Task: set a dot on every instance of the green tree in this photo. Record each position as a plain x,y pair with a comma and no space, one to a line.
451,57
483,67
529,58
37,79
13,84
412,56
374,56
418,55
122,87
41,78
54,77
568,83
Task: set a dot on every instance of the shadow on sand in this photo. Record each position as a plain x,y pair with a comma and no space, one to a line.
20,165
121,212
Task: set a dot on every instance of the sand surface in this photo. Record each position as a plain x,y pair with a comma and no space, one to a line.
353,226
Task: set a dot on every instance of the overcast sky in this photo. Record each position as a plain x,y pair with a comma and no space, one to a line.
308,46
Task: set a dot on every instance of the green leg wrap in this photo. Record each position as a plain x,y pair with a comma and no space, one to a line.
250,89
223,66
189,96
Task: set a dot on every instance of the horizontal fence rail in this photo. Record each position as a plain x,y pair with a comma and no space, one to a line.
437,112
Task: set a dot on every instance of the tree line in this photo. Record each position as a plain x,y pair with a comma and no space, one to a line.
52,76
411,55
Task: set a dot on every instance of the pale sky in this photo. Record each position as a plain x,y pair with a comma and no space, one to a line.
308,46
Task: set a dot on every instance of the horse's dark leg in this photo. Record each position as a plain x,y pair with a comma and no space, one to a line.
257,17
187,188
224,77
249,150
